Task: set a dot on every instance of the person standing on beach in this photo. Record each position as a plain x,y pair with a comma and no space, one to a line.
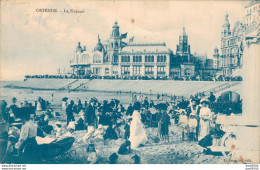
69,112
89,116
165,122
138,134
205,115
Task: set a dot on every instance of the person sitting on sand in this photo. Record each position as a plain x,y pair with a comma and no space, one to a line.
43,124
125,148
136,159
58,129
110,133
113,158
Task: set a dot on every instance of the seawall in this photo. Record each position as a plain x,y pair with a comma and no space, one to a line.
170,87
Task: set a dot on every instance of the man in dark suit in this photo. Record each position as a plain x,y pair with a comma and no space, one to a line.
89,116
69,112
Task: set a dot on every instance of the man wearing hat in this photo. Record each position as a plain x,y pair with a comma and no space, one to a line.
69,112
89,116
27,137
14,108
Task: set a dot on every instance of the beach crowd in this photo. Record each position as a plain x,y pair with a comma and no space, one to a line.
29,122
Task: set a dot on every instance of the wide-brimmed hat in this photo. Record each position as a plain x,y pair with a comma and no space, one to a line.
65,99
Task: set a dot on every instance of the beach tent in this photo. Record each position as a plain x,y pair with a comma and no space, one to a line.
230,96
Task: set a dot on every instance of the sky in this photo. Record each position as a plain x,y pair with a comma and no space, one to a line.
40,43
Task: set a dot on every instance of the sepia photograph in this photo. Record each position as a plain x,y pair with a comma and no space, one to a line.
129,82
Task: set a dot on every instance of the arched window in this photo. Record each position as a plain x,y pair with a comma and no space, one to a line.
96,58
187,71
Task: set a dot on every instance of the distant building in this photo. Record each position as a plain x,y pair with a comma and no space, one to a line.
183,63
151,60
231,47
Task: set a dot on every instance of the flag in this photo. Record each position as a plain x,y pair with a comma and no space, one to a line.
123,35
131,39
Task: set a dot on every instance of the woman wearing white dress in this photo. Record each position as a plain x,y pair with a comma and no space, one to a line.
205,116
137,132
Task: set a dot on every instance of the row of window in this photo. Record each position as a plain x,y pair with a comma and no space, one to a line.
137,70
125,58
161,58
137,58
150,58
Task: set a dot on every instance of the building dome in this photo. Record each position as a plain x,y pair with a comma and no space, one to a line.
79,48
99,46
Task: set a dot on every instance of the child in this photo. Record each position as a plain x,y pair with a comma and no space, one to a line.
127,130
58,129
192,127
92,156
183,123
136,159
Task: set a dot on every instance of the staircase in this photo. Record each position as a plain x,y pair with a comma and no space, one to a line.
82,85
221,87
67,85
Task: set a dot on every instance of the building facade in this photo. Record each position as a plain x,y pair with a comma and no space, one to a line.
114,57
231,57
183,63
151,60
231,47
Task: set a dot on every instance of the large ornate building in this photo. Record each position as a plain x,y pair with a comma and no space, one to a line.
114,57
231,57
231,48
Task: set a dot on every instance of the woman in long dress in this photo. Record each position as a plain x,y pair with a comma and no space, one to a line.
205,115
137,132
